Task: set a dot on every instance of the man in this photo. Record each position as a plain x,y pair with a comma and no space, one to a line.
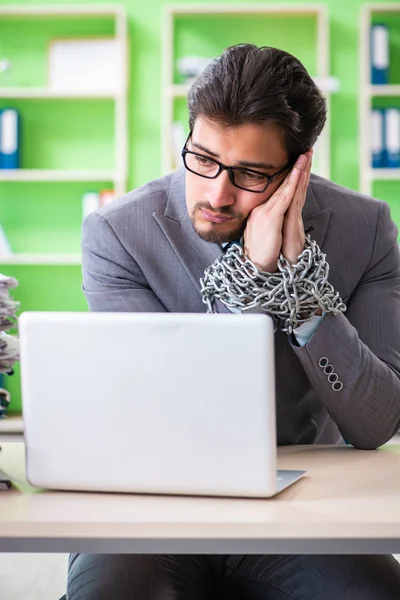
255,115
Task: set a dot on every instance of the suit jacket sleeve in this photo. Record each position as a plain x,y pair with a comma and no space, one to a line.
363,346
112,280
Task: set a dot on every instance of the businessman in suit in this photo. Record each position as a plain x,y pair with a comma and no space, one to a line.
255,115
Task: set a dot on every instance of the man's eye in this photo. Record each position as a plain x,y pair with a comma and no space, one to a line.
252,176
204,162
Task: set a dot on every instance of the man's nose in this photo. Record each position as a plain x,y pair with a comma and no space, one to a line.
220,191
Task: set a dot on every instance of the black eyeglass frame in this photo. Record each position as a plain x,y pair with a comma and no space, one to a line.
231,170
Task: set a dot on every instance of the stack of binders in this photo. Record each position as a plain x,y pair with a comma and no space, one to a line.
9,139
9,345
4,396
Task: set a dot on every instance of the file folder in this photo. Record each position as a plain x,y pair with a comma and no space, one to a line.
9,138
378,139
379,58
392,138
1,154
90,203
5,247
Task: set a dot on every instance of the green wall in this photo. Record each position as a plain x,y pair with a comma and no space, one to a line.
45,217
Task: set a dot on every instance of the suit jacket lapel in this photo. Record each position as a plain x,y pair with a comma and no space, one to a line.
194,253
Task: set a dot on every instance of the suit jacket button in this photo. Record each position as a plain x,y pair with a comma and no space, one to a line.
323,361
333,377
337,386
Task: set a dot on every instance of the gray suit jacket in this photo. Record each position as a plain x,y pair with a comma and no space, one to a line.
140,253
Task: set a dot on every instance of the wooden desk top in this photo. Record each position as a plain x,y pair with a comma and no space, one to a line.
349,501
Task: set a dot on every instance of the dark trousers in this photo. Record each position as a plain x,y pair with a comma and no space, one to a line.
203,577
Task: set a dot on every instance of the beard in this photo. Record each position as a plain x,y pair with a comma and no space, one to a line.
219,233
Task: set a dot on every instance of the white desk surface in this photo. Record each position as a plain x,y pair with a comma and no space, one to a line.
349,501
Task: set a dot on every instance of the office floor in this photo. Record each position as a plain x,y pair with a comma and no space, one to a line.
33,576
40,576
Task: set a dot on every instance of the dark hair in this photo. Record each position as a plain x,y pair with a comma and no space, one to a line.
248,84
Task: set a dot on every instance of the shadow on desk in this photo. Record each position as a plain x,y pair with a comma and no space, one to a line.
331,475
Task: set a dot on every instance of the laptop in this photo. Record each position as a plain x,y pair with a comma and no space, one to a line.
155,403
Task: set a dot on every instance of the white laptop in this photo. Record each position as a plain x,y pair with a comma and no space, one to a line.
165,403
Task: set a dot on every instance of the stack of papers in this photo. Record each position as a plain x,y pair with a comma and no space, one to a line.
9,345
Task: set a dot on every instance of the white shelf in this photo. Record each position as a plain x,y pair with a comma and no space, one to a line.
383,174
40,259
11,424
383,90
179,90
43,93
244,9
56,175
387,7
100,10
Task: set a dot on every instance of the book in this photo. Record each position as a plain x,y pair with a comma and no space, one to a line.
178,137
5,247
9,344
106,196
392,138
377,138
90,203
9,138
379,58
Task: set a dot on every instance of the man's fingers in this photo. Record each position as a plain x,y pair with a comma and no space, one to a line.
299,165
281,198
294,210
309,162
301,191
297,202
288,192
308,173
303,184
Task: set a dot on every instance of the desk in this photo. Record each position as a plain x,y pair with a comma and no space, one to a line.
349,502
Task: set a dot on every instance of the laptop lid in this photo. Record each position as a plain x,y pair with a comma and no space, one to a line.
149,402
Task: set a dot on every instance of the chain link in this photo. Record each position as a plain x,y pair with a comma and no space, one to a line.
290,296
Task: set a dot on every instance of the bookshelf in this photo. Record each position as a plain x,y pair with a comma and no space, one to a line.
72,142
32,101
377,181
302,29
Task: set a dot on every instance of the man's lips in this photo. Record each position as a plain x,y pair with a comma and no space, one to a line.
214,218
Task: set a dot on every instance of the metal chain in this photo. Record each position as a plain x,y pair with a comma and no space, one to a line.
290,296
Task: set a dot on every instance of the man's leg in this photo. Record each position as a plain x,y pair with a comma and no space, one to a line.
141,577
319,577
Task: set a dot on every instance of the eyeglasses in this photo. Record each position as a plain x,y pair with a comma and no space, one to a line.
244,179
